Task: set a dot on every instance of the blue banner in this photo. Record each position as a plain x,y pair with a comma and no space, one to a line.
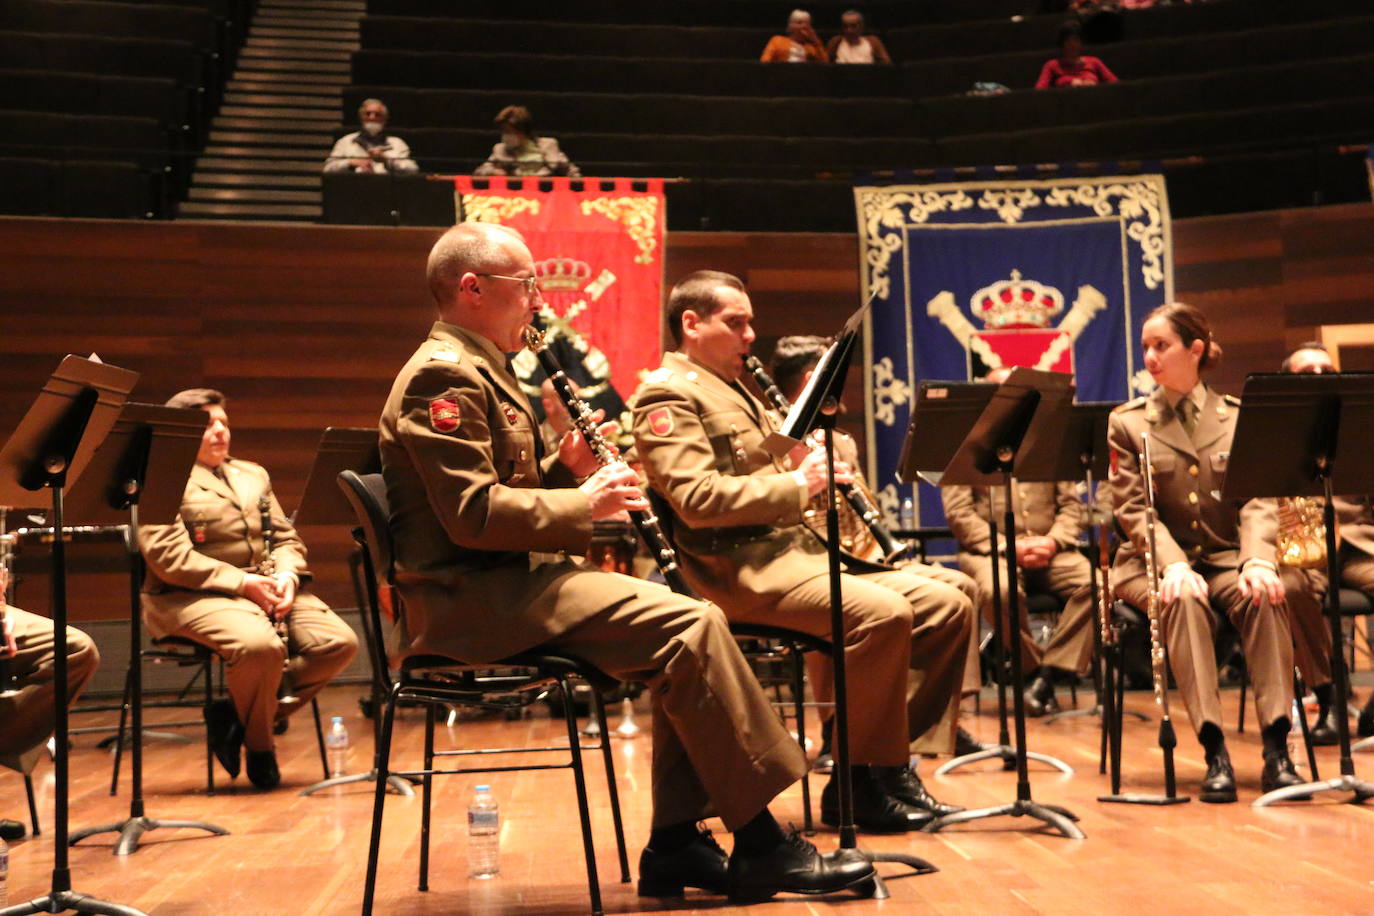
966,277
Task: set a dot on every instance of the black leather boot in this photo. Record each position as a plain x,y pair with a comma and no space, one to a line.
1365,727
1219,785
903,784
1279,772
874,810
700,864
965,744
1324,730
795,867
1039,695
225,734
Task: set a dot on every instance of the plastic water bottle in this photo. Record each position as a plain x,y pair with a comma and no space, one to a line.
4,873
336,746
908,519
484,834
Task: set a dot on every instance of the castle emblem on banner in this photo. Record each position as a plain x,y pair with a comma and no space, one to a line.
568,289
1018,316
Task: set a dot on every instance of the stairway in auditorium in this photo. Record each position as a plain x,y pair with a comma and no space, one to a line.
269,141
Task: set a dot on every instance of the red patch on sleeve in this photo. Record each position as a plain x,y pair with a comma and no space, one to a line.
443,415
1115,462
661,422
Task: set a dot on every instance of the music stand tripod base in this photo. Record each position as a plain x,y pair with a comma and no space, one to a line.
397,784
1139,798
1343,783
131,831
1363,744
1061,819
1008,757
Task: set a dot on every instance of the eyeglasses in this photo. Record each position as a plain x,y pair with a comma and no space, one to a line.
531,284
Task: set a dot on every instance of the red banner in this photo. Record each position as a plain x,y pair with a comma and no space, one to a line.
598,252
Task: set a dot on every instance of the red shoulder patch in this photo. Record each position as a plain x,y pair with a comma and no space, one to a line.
661,422
443,415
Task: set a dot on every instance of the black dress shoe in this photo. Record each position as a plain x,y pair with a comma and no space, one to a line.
874,810
1219,785
1365,727
11,830
225,734
795,867
1039,697
965,744
1324,731
903,784
262,770
1279,773
700,864
279,726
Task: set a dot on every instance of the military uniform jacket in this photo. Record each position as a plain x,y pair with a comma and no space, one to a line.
1195,523
736,511
1355,522
217,538
476,517
1041,508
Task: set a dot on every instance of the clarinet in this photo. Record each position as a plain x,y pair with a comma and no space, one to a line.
268,567
645,522
858,500
7,679
1158,661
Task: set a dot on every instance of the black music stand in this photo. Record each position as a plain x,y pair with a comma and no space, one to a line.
52,446
1077,439
816,408
990,453
344,448
944,414
141,466
1309,435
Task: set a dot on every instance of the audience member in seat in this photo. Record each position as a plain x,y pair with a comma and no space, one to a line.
372,149
1072,67
799,46
522,151
852,46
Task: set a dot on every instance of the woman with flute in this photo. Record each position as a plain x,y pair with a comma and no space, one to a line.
1211,552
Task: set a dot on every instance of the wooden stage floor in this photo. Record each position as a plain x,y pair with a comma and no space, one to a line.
292,855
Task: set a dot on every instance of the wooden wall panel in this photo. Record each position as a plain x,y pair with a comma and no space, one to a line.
304,326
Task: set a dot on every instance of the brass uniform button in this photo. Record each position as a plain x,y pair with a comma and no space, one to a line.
1193,524
522,454
1192,469
1192,498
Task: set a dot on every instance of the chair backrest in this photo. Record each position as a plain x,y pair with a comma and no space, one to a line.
366,493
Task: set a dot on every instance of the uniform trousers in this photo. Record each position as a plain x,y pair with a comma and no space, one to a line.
1068,575
319,644
1357,569
26,719
1305,593
895,623
719,747
937,739
1266,635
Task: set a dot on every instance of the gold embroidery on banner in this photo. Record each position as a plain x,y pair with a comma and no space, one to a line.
493,208
639,216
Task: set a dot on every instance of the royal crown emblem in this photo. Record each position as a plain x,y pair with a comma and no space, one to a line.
562,274
1017,303
1018,316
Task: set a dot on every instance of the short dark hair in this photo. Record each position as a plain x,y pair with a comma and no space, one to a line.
792,357
697,291
517,116
1287,364
198,397
1070,29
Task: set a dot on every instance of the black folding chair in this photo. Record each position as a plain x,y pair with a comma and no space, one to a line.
435,680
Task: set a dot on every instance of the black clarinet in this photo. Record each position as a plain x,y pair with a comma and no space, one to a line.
645,522
268,567
858,500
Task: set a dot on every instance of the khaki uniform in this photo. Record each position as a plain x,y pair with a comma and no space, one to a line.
26,719
478,522
1355,521
196,568
736,514
1217,537
1051,509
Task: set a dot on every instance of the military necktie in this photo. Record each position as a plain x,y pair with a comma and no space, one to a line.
1187,415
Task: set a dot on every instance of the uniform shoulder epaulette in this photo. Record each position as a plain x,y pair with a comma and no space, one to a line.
244,465
1131,404
658,376
1231,399
446,353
